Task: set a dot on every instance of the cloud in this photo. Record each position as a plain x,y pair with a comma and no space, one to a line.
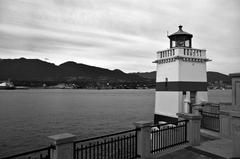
118,33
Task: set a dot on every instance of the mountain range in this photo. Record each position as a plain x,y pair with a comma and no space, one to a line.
36,70
23,69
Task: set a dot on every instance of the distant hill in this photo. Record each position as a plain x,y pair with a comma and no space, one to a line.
212,77
148,75
37,70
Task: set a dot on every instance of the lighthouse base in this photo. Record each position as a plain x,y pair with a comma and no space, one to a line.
158,117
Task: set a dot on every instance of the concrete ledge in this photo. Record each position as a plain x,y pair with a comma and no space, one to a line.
189,116
141,124
224,112
235,114
62,138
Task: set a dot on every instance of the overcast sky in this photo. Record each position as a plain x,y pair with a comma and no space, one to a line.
118,34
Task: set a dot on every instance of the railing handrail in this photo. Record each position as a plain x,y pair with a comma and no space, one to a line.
210,104
211,113
180,121
105,136
30,152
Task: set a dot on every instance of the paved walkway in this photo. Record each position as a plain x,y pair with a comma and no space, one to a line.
212,147
220,147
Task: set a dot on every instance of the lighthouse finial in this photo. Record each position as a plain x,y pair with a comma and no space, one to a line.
180,27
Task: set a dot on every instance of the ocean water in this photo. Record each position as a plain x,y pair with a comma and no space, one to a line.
27,117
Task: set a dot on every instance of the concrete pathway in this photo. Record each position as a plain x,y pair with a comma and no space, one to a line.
220,147
212,147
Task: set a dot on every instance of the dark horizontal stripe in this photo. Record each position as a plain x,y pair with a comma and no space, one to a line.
181,86
158,117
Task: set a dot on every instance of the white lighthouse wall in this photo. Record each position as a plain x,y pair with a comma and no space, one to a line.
168,70
192,71
167,102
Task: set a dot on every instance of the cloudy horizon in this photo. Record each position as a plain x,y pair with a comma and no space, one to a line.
118,34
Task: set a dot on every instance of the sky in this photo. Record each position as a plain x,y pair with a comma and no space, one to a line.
118,34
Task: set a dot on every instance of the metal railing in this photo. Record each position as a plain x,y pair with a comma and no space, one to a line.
210,121
43,153
169,135
210,117
122,145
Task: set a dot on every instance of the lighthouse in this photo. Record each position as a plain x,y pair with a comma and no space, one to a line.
181,78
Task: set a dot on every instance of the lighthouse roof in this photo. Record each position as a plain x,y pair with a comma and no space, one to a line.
180,32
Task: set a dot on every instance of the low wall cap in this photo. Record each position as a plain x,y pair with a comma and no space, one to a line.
234,74
189,116
62,138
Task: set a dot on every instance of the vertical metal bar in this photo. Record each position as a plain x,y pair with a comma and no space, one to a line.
97,150
49,153
118,142
115,148
185,139
76,154
127,147
124,146
153,140
108,148
158,140
111,148
105,149
130,146
90,153
94,150
101,150
81,150
136,143
85,152
74,149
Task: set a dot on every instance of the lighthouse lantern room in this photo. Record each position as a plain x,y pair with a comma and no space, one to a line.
181,78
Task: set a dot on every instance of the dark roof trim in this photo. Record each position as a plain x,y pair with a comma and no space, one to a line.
180,32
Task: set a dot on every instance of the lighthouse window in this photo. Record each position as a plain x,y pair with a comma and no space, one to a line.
187,43
173,44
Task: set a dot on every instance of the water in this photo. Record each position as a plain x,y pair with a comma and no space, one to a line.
27,117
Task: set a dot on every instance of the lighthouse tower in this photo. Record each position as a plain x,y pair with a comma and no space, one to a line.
181,77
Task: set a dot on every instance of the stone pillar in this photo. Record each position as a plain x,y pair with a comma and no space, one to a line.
193,127
197,109
225,123
64,146
236,90
143,138
235,119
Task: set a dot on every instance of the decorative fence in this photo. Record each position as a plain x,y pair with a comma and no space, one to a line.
169,135
210,117
43,153
122,145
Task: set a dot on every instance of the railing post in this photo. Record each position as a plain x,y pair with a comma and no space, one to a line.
235,119
143,138
64,146
193,127
225,123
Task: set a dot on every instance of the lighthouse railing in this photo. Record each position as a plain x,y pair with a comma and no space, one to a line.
169,135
